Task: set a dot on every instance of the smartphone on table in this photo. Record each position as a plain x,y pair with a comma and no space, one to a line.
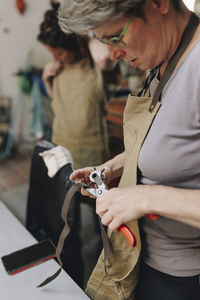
28,257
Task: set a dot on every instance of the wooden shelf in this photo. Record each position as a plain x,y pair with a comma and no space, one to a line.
115,117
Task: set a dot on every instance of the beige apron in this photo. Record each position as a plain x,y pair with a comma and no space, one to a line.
122,264
79,114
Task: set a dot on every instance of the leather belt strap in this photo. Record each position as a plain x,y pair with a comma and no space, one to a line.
66,230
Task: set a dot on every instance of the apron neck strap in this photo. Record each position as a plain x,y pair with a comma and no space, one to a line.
185,40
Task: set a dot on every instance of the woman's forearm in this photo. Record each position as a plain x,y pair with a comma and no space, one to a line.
115,165
179,204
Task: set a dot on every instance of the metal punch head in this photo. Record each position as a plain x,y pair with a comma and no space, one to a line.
97,178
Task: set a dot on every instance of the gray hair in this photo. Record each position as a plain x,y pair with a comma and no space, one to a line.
81,16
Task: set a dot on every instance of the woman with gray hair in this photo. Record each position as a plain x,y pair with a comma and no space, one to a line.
160,167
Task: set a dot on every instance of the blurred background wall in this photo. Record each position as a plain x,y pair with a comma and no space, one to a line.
18,37
18,34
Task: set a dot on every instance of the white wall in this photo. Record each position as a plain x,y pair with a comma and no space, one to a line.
21,37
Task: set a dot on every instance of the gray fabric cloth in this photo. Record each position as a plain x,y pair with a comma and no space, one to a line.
170,156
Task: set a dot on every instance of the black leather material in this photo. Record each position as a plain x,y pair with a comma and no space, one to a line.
45,199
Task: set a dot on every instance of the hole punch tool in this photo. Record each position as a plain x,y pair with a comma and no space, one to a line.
97,178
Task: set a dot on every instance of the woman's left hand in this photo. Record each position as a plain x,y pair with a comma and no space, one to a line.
121,205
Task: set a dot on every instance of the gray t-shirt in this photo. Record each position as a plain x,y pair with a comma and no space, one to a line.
170,156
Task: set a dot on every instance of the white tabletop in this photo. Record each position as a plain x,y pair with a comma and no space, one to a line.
14,236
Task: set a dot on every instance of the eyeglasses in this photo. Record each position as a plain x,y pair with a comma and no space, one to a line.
115,40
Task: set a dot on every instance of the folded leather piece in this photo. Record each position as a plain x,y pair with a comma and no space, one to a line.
55,158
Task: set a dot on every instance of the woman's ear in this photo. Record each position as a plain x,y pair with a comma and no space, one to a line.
161,5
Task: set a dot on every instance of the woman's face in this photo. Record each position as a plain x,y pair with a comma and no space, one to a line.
65,57
148,41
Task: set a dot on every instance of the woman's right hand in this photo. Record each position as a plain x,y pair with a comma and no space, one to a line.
82,175
112,169
51,69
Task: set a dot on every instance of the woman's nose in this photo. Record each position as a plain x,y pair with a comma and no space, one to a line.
116,53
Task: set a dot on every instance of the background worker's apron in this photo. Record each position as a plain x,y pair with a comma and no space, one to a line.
79,114
120,280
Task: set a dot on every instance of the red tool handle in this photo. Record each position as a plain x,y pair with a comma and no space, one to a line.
153,217
128,234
